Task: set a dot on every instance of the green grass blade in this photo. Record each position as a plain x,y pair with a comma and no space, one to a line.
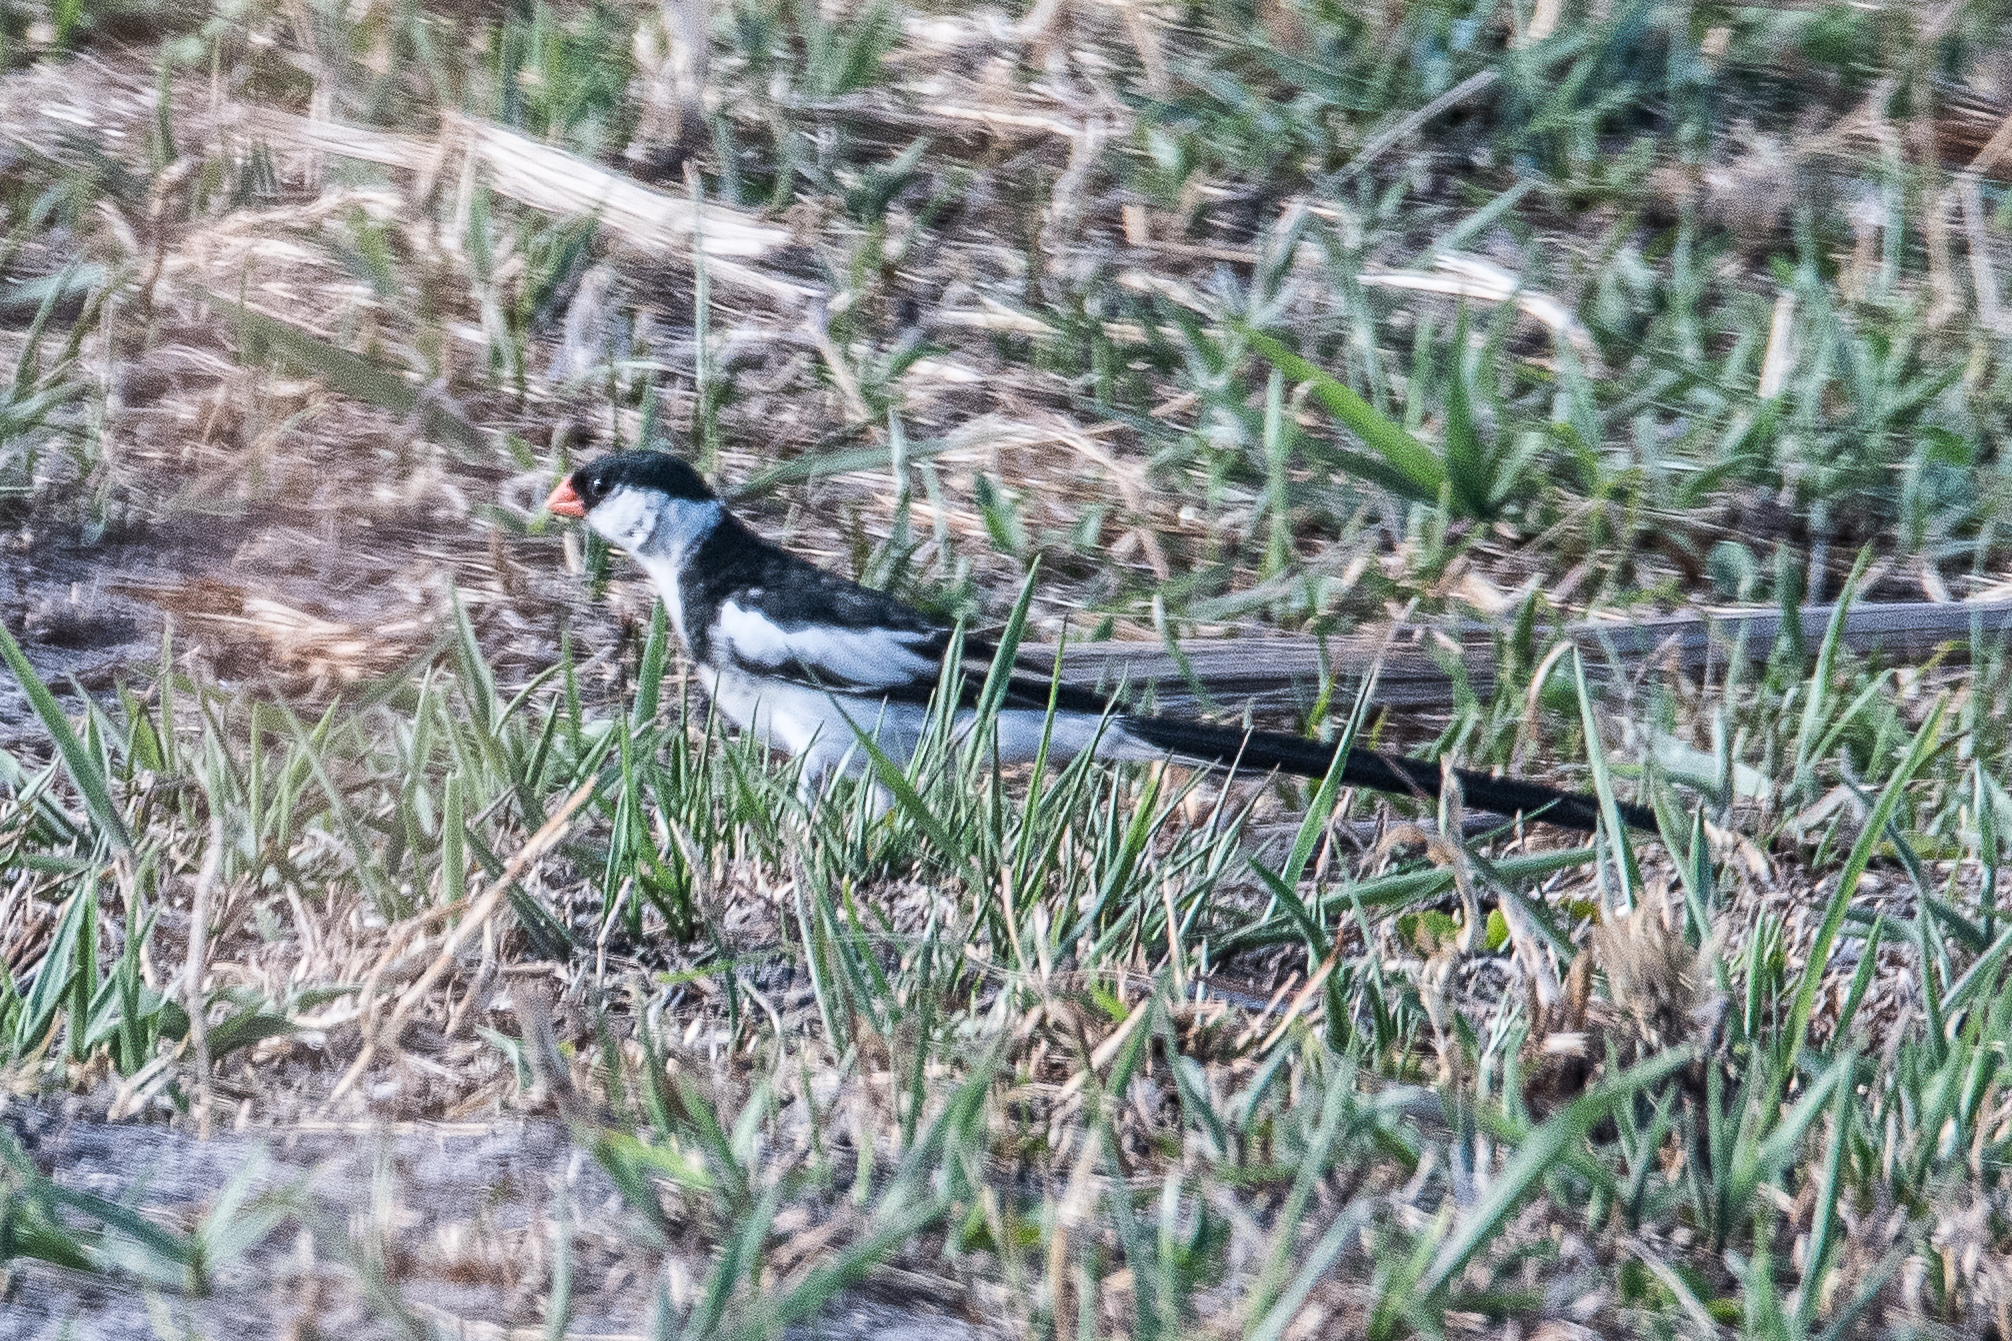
369,870
266,338
820,465
57,975
1925,742
85,774
1417,467
1826,1218
1538,1154
999,676
1603,787
1818,686
650,678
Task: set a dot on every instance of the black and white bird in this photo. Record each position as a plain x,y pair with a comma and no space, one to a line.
808,661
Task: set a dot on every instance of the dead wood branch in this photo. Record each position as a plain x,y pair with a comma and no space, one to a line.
1280,673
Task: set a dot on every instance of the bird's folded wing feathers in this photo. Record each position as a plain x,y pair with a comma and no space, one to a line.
868,659
883,660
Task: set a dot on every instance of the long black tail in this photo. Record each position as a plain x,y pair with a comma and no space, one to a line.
1263,751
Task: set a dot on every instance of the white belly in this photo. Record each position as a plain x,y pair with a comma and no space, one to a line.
811,722
824,728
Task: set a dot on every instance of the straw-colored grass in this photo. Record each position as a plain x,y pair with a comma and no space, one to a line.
1610,393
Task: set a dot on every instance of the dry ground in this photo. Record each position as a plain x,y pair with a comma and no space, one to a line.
343,335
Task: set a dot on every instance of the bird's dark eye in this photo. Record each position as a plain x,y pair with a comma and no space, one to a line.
597,487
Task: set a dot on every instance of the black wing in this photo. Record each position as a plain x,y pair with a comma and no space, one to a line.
781,617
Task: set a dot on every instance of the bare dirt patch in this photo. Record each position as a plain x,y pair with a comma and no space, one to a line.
462,1220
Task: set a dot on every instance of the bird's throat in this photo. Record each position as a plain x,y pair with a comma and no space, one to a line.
661,534
665,575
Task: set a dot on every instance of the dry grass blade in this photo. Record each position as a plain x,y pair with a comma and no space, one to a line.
1385,140
195,1001
560,183
1096,1050
1473,278
478,913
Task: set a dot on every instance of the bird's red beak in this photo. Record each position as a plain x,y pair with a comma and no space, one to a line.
564,502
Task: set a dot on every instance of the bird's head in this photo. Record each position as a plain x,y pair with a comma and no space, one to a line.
649,503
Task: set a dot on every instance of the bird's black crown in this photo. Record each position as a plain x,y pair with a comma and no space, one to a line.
658,471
